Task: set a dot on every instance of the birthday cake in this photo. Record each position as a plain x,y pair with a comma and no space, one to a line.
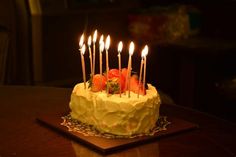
114,114
115,102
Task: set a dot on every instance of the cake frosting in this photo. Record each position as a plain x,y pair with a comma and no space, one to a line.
114,114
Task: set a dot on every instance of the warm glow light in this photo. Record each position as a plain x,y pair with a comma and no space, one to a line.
131,48
101,46
120,46
83,49
145,51
81,41
107,44
89,40
101,39
95,36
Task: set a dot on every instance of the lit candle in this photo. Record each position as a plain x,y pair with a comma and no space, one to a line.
101,39
131,51
141,70
94,50
107,45
120,46
81,41
145,66
90,55
101,48
82,51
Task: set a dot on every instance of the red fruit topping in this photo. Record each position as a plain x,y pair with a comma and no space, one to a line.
98,83
124,72
113,73
134,85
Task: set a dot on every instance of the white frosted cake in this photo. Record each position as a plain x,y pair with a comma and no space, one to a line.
115,102
114,114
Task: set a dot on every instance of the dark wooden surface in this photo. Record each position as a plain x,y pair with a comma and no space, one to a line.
21,135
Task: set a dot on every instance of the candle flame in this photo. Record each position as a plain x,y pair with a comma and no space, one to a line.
81,41
83,49
145,51
107,44
120,46
95,36
101,48
89,40
101,39
131,48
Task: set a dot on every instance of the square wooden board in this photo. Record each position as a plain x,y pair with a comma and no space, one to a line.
105,145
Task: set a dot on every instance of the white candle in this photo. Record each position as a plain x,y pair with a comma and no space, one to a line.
90,55
145,66
107,45
101,48
141,70
120,46
82,51
94,50
131,51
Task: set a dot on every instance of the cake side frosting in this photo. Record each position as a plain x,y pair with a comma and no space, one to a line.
112,114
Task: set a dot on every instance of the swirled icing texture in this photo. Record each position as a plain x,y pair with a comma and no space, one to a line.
115,115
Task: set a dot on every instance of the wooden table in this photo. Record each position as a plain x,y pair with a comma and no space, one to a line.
21,135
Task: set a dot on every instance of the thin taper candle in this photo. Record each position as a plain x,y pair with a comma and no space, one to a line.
94,50
90,55
107,45
144,72
101,48
131,51
82,51
127,77
140,76
120,46
100,62
130,69
145,66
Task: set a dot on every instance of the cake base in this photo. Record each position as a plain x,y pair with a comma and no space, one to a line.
105,145
89,130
